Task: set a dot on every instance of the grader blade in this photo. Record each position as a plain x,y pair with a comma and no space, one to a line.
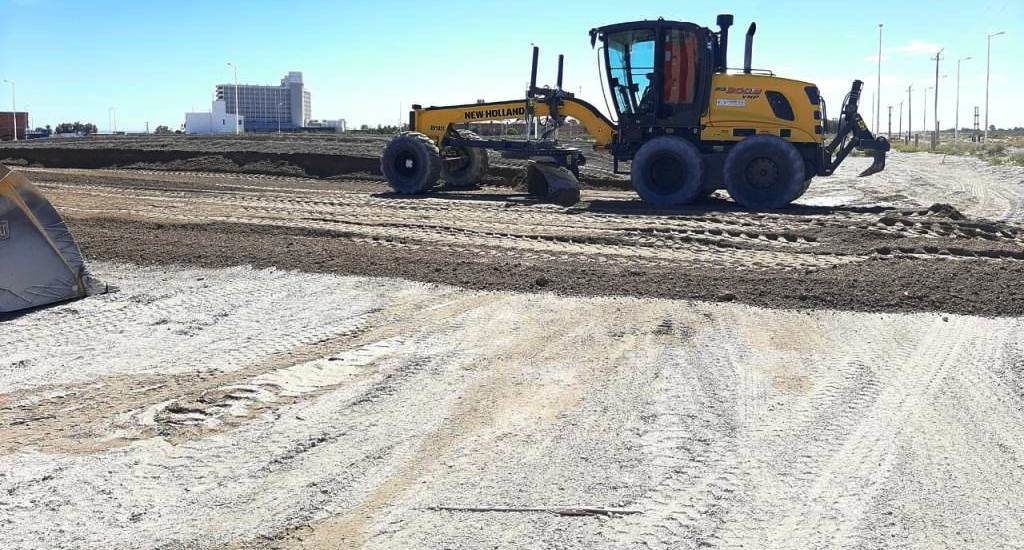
40,263
552,183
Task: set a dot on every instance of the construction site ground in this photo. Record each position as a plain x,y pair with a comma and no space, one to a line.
294,362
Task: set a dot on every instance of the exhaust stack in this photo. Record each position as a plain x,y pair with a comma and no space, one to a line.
748,50
724,22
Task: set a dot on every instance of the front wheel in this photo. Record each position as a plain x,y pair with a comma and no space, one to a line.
764,172
468,166
411,163
667,171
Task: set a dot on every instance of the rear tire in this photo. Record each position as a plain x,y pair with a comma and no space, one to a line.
473,168
667,171
411,163
764,172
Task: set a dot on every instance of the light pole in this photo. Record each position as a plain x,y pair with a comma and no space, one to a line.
878,84
279,109
901,119
14,109
956,125
988,71
235,69
112,119
890,122
935,137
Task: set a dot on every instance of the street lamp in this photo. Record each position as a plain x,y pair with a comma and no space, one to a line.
900,133
280,107
878,84
956,125
14,109
935,137
988,71
235,69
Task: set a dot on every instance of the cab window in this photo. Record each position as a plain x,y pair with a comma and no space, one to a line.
631,68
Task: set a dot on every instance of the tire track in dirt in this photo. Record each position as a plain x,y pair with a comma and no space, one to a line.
179,407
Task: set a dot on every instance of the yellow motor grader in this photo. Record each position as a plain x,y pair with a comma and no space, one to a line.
687,124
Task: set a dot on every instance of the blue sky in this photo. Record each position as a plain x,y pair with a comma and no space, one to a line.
362,61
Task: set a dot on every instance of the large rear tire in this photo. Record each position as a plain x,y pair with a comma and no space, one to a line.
411,163
472,167
764,172
667,171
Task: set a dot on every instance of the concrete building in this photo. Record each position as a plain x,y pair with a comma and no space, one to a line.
268,108
7,120
338,125
217,121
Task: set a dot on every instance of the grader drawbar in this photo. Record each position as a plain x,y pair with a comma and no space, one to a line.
686,124
40,263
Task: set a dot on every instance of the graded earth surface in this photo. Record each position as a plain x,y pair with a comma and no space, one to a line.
293,362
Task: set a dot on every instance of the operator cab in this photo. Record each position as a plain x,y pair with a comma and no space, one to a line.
659,74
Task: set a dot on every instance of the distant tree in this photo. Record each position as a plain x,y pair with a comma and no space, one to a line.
991,127
76,127
162,130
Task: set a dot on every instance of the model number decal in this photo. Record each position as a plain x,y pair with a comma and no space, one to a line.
735,90
5,230
732,103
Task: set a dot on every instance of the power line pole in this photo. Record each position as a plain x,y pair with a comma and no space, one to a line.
890,122
935,136
988,71
878,84
956,121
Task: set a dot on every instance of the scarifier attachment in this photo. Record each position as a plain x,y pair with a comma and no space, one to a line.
40,263
877,149
853,134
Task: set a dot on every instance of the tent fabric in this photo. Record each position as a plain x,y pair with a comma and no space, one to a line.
40,263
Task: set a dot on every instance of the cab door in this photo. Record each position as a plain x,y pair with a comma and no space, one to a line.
685,61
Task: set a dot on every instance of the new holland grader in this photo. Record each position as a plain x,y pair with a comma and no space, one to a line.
686,124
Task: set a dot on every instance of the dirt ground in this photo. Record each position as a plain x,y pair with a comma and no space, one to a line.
314,363
862,246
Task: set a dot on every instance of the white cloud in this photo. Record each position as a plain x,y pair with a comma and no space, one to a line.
917,47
